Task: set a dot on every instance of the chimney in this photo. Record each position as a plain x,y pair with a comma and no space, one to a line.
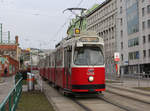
16,39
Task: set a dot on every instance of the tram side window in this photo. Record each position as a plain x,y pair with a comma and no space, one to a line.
53,61
67,60
49,61
69,57
59,59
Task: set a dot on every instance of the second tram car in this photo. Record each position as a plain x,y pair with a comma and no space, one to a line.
77,64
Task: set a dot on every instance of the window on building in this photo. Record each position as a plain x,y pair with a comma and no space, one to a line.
149,38
134,55
133,42
137,55
121,21
148,23
120,10
136,41
148,9
122,57
143,11
121,33
144,53
144,39
143,25
130,55
121,45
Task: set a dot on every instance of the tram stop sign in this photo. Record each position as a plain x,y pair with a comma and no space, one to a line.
116,56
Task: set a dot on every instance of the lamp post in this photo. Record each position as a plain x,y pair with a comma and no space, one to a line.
1,32
30,58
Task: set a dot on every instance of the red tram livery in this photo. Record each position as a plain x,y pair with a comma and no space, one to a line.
77,64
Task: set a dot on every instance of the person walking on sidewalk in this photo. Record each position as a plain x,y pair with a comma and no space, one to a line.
5,71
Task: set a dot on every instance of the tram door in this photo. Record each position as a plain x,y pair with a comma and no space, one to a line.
67,65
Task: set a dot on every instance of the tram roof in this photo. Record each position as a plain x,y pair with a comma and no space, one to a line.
76,37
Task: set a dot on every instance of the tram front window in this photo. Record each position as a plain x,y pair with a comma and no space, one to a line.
88,56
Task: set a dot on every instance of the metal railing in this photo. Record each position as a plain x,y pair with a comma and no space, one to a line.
11,101
8,42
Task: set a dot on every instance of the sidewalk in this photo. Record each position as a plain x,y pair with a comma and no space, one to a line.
6,86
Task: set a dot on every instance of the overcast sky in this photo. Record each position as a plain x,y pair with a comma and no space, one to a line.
39,23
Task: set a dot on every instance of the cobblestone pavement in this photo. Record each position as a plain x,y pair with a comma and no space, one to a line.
5,87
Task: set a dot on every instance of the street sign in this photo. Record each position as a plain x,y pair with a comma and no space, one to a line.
116,56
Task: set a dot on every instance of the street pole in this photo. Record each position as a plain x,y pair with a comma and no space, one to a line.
1,33
138,72
1,41
8,36
31,60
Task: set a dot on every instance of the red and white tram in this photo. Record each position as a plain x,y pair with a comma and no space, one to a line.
77,64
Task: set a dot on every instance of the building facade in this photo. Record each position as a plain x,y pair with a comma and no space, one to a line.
12,49
125,28
8,66
134,35
103,20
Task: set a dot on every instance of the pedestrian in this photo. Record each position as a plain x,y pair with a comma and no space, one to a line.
5,71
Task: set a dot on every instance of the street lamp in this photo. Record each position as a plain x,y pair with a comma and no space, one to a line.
1,32
28,49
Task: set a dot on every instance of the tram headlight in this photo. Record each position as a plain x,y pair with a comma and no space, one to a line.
91,78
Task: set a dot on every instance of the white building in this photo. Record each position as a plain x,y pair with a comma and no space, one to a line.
134,35
125,27
103,20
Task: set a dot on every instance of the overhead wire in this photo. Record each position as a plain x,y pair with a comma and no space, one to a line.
62,26
69,18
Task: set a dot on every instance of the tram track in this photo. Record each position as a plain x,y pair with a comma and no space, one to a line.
88,107
81,105
132,104
105,101
130,94
129,90
129,97
85,107
87,104
125,108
